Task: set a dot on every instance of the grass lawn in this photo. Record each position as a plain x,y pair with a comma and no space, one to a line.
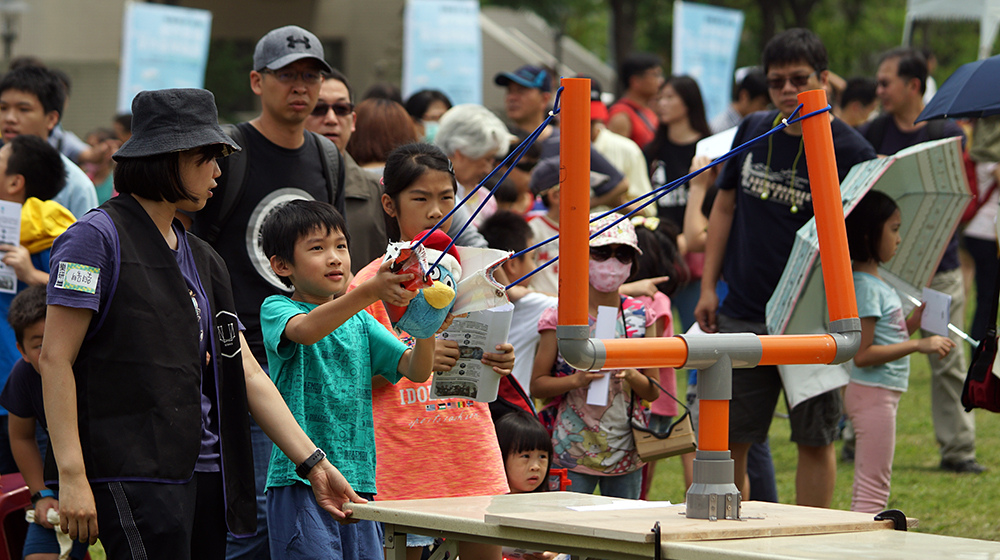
944,503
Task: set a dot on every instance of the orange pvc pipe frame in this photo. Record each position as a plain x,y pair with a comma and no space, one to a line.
574,201
713,430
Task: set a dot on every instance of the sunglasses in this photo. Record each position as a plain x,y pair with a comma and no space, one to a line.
798,80
339,109
623,253
289,76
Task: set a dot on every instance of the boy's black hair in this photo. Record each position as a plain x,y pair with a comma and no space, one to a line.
158,177
859,88
26,309
660,256
795,45
506,230
39,163
40,82
125,120
865,224
404,166
519,431
635,64
292,221
754,83
910,64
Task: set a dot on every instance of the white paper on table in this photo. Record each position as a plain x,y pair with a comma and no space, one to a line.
622,505
597,394
937,312
716,145
10,232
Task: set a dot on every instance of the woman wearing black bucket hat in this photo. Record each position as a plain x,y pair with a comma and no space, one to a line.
146,377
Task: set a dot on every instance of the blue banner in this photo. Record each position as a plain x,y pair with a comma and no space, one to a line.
162,47
706,40
443,49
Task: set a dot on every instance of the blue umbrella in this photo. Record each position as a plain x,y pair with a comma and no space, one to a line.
972,91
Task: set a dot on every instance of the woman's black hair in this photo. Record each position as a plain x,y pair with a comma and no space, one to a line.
660,256
158,177
689,92
519,431
404,166
865,224
418,103
293,220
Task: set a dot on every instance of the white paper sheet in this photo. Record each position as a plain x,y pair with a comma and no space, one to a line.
937,313
622,505
10,232
597,394
716,145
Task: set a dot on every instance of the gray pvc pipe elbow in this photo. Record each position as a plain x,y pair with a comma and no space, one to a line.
846,334
578,349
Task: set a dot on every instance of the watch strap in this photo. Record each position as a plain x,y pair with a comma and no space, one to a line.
304,467
43,493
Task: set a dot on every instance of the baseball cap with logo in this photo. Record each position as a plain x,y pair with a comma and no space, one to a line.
527,76
284,45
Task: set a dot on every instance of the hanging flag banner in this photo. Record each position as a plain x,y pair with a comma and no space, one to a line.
706,40
162,47
443,49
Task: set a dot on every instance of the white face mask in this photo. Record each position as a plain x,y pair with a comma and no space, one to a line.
608,275
430,131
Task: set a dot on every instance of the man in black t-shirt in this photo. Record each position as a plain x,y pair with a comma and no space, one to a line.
763,200
902,78
281,162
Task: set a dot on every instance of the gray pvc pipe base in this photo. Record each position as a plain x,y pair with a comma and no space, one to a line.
713,495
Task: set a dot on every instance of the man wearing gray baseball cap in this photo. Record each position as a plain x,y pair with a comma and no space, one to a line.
280,161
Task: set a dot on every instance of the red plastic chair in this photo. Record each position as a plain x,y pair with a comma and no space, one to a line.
14,499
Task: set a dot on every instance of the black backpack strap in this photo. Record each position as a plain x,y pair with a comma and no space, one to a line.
235,174
333,170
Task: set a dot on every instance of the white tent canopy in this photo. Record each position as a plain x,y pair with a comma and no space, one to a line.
986,12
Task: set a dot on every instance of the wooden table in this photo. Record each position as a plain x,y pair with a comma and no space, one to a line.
612,529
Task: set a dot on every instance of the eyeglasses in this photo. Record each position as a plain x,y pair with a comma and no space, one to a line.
339,109
798,80
290,76
623,253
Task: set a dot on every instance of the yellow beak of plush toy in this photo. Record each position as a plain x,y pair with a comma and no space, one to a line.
438,295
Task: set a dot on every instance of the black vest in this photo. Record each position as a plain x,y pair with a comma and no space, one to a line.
139,372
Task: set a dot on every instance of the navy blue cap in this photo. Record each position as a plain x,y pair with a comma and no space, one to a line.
528,76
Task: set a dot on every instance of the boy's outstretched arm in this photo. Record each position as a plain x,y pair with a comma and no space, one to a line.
333,492
311,327
417,364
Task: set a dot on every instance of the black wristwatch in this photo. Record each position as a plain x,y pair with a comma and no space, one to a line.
43,493
305,466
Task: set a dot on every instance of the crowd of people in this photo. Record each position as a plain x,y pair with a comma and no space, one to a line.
222,375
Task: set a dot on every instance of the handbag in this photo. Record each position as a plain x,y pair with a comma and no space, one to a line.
982,388
676,440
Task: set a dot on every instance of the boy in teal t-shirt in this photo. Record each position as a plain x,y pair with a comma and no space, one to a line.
322,354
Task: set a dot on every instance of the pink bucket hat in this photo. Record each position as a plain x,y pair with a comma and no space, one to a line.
622,233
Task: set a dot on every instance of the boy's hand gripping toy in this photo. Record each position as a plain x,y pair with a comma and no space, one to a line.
461,283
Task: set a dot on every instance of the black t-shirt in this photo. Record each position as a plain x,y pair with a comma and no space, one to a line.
668,161
274,175
772,203
895,140
22,395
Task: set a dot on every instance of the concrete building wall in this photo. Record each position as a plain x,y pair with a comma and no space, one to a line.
83,38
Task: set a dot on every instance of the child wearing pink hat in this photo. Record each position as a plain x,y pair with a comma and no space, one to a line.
594,442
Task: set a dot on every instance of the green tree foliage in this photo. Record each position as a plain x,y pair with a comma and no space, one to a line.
855,31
